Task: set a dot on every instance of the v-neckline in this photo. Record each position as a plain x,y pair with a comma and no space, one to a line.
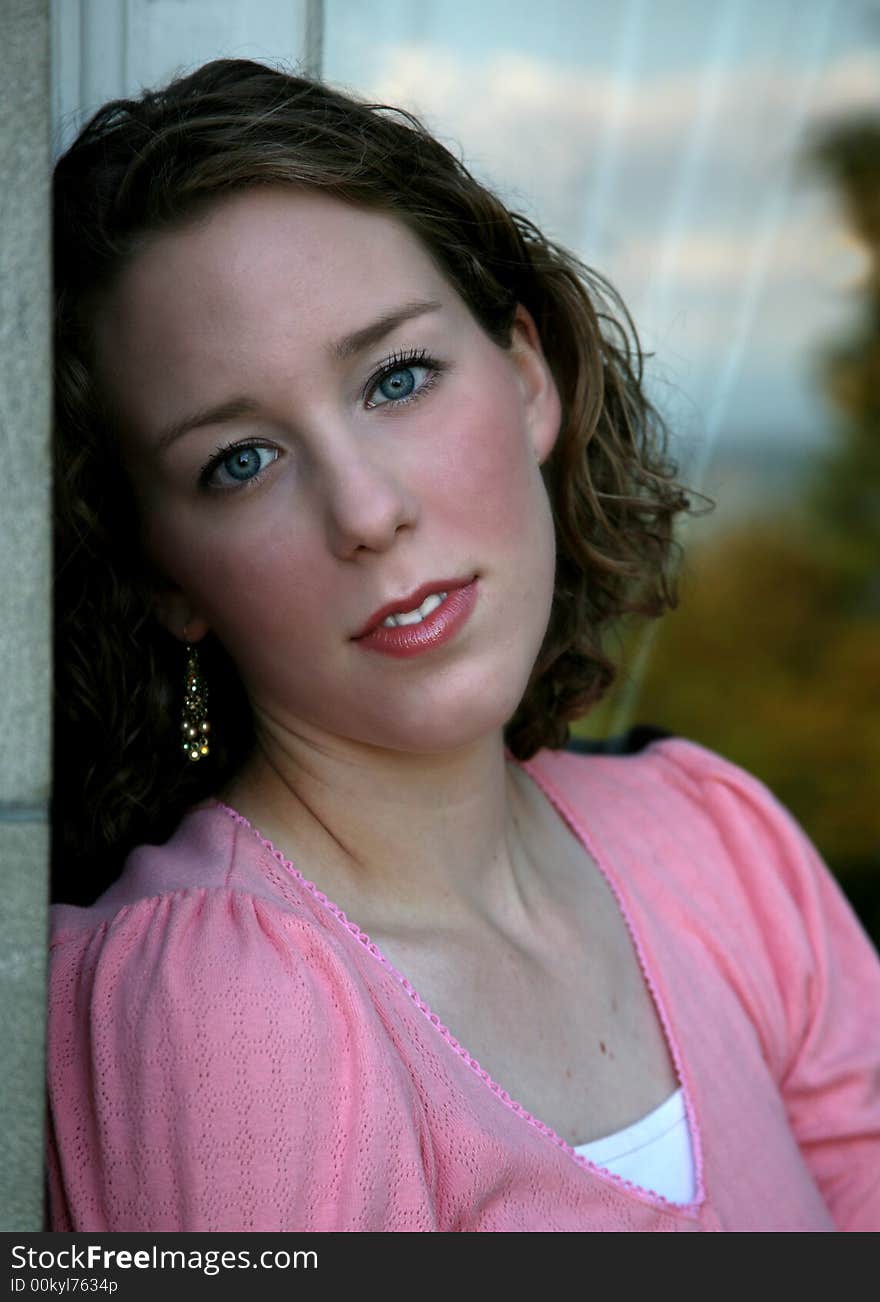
595,852
570,818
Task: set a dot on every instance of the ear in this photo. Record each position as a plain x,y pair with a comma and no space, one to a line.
174,611
543,407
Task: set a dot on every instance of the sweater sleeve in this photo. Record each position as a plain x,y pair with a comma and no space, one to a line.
827,978
201,1055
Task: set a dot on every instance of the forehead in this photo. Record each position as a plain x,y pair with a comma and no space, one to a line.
275,247
258,289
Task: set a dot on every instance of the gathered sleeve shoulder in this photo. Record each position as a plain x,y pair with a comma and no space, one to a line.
821,1019
200,1058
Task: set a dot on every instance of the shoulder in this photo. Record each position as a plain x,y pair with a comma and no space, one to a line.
710,853
708,848
205,952
203,1018
209,852
647,760
210,927
677,795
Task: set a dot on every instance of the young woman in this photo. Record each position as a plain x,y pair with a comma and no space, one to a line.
354,473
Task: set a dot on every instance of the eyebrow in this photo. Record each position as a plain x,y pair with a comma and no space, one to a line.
343,349
220,415
355,343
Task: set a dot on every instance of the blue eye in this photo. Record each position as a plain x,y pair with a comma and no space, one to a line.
237,465
398,384
401,379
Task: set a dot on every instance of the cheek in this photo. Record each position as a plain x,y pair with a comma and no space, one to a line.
491,491
243,570
490,477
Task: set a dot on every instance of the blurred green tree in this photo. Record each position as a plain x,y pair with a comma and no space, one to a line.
773,657
845,494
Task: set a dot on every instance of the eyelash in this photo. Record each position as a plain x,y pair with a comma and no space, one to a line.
398,361
217,458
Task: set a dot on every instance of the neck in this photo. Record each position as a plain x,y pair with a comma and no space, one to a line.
399,838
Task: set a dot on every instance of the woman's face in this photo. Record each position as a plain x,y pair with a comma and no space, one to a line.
316,427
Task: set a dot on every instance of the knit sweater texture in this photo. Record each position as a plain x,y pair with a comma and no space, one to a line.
228,1051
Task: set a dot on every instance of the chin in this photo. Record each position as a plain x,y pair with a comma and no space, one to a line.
474,713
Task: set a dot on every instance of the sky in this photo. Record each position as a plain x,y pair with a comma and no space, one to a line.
662,140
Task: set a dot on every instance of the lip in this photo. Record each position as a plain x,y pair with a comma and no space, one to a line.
410,602
440,626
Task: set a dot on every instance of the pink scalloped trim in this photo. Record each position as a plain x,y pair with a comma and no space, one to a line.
638,1191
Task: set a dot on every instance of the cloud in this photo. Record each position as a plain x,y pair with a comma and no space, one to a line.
814,254
510,86
541,132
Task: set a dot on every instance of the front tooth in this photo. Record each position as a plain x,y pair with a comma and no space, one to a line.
431,603
416,616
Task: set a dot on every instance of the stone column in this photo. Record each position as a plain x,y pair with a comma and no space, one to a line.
25,627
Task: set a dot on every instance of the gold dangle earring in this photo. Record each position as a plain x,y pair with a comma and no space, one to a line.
194,718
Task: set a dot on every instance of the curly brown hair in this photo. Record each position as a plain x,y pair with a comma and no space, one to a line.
144,165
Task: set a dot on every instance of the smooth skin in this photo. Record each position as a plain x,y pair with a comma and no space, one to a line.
362,468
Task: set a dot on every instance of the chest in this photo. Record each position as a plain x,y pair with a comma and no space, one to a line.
572,1035
562,1020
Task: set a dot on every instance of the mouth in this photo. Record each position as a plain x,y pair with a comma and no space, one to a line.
436,621
413,608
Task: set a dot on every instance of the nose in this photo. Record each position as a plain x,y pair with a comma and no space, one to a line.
367,503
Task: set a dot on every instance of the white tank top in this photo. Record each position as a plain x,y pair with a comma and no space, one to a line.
654,1152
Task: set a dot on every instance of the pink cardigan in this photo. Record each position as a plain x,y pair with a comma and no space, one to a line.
228,1052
